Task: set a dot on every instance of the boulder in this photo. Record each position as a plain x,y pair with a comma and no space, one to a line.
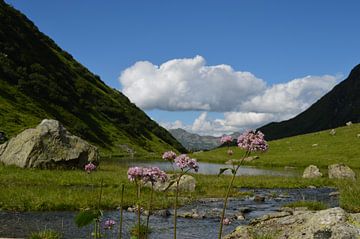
49,145
341,171
333,223
312,172
187,183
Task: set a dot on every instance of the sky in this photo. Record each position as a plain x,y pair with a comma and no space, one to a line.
210,67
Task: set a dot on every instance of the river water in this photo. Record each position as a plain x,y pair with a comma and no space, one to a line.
13,224
213,169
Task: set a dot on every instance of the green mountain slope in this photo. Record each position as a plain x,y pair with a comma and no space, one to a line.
340,105
39,80
320,148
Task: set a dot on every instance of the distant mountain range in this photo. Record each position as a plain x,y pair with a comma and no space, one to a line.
336,108
194,142
39,80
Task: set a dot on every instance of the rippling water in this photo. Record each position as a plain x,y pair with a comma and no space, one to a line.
14,224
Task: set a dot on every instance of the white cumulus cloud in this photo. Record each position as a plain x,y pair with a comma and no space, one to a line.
245,100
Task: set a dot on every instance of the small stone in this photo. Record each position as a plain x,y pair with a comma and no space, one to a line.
311,187
332,132
349,123
314,145
259,198
334,194
162,213
312,172
240,217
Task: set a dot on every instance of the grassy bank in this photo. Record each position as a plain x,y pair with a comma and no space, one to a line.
321,149
40,190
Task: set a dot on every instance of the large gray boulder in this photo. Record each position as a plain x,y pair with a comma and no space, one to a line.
333,223
341,171
49,145
312,172
187,183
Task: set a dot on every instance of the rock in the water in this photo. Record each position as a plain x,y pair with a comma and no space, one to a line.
341,171
259,198
333,223
49,145
312,172
187,183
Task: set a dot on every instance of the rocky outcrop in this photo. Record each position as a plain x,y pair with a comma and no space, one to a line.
49,145
312,172
333,223
187,183
341,171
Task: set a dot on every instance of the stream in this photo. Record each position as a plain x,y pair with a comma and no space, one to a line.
20,224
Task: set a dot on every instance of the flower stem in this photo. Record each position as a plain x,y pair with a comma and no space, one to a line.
247,153
149,211
139,208
175,205
121,211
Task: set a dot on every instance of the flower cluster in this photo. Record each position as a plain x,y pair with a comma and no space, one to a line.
183,161
252,141
226,139
90,167
169,156
152,174
135,173
109,224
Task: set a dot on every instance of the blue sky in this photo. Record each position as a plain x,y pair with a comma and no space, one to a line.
211,67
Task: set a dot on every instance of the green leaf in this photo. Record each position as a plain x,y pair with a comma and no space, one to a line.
86,217
223,170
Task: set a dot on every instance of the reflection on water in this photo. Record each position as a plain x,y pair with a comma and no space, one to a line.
213,169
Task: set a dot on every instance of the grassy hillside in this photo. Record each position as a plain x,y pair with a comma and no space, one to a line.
39,80
321,149
340,105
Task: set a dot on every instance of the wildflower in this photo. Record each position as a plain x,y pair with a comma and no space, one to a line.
252,141
226,139
169,156
135,173
90,167
109,223
153,175
183,161
226,221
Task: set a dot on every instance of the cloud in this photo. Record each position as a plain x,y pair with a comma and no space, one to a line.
188,84
245,100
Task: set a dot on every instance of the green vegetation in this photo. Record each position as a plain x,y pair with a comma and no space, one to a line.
320,149
311,205
39,80
46,234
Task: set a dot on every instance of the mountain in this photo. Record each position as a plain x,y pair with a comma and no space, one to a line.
39,80
195,142
336,108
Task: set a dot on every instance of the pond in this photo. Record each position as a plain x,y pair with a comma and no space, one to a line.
213,168
13,224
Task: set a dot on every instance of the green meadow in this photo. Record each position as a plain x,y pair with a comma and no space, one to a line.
42,190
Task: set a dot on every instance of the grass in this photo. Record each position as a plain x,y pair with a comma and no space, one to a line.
46,234
320,148
42,190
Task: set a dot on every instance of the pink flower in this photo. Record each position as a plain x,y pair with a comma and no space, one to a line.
226,139
135,173
90,167
230,152
183,161
109,223
226,221
252,141
169,156
153,175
